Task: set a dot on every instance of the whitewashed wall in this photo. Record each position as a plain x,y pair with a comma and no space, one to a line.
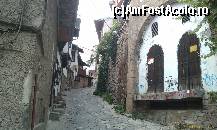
73,65
170,31
107,25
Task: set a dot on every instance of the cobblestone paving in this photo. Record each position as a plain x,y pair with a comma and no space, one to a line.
85,111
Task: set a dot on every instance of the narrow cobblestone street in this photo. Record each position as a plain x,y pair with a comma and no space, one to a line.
84,111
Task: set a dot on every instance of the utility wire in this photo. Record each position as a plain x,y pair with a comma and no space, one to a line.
23,4
21,20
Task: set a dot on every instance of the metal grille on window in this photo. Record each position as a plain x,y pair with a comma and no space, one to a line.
185,18
154,29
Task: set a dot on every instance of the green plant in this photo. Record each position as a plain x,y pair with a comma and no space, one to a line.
211,19
184,126
212,97
120,108
108,98
105,95
98,93
105,51
138,115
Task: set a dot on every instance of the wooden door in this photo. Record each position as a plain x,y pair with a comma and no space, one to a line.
155,64
189,71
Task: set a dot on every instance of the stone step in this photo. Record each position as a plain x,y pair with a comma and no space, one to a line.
54,112
54,116
61,101
58,109
62,105
57,104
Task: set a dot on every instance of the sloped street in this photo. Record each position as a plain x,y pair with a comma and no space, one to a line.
84,111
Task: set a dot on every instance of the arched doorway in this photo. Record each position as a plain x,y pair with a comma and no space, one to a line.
155,76
189,71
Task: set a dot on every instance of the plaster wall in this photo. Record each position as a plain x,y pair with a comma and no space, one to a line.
15,80
32,10
136,27
170,31
107,25
74,65
31,55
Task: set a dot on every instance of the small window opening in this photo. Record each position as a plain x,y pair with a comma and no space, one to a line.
154,29
185,18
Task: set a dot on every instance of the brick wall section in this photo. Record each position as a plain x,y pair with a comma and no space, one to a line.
118,70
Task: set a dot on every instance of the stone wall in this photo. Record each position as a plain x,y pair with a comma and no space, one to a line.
33,12
26,61
136,26
44,74
15,67
67,80
118,69
200,117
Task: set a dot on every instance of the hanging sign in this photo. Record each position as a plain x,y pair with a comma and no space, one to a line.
193,48
150,61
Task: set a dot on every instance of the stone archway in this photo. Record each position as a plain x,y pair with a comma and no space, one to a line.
136,27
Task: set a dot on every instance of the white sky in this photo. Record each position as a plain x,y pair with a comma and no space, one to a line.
88,11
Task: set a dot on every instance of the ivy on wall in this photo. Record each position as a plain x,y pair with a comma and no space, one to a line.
106,50
211,19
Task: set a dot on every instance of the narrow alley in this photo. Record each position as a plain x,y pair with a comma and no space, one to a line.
84,111
108,65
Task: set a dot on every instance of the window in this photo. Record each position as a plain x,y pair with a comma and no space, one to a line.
185,18
189,71
77,78
155,76
154,29
73,55
73,51
64,59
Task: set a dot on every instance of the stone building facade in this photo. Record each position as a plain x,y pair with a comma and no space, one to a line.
28,46
118,69
74,73
191,91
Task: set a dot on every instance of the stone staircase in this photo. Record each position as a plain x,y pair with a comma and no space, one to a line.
57,109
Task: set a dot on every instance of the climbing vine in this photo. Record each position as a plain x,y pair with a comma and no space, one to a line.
211,19
106,50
